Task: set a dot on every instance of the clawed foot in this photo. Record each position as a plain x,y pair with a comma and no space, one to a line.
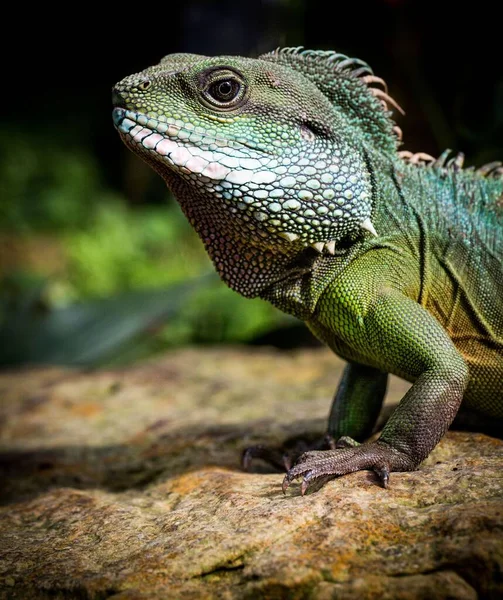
322,466
283,458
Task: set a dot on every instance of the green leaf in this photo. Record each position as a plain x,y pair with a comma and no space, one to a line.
87,333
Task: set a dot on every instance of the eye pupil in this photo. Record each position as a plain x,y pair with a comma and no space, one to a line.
225,88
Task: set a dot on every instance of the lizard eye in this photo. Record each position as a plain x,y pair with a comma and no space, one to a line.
225,92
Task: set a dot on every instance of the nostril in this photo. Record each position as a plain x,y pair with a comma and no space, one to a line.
117,99
144,85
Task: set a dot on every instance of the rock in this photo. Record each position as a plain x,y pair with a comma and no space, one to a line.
126,484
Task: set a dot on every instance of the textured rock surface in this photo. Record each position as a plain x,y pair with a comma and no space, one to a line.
126,485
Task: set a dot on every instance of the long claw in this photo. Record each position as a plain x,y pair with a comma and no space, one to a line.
273,456
306,480
383,474
246,458
330,441
281,458
287,461
286,483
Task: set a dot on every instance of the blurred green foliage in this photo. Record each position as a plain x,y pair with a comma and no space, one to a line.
123,248
135,256
45,185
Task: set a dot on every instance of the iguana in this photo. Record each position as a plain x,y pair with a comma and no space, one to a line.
288,168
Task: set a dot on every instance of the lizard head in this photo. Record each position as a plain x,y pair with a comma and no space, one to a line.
254,145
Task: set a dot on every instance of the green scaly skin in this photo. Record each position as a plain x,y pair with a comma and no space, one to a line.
287,166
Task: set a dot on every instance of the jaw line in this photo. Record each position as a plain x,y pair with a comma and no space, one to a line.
119,115
165,162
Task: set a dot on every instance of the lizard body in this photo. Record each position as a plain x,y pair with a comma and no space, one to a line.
288,168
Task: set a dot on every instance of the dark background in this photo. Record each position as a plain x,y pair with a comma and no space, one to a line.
63,163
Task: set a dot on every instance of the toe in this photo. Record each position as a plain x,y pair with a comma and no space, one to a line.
307,480
383,474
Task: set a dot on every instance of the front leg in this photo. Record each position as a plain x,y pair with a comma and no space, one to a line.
397,335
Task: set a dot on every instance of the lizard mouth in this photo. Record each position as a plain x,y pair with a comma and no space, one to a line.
126,121
249,182
183,146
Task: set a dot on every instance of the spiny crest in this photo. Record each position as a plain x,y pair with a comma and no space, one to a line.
482,188
349,83
455,163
